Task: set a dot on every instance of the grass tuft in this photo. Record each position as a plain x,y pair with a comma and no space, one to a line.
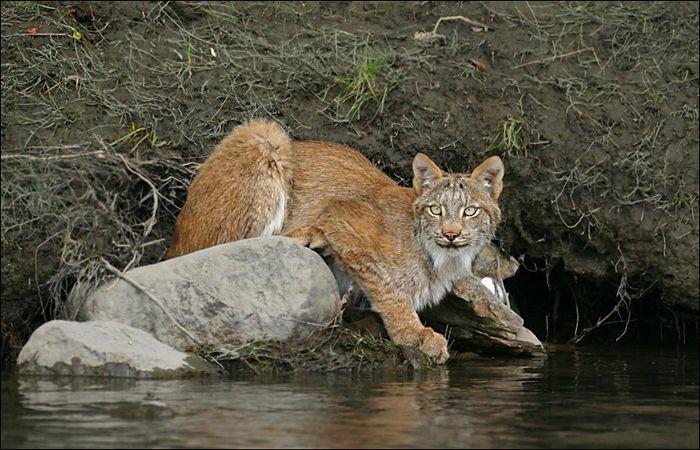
368,84
507,138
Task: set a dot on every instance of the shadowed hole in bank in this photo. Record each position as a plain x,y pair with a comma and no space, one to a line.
561,307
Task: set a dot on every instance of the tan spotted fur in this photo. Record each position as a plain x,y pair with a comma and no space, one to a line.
403,246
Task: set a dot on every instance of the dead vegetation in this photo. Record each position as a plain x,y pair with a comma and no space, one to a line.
108,110
330,349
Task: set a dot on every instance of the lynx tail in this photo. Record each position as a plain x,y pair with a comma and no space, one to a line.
242,190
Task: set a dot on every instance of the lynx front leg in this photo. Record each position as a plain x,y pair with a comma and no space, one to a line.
310,237
404,326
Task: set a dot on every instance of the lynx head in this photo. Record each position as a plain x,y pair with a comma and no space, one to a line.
455,214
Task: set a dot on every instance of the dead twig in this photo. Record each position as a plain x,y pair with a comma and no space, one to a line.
147,225
138,286
624,297
38,35
430,36
98,153
555,57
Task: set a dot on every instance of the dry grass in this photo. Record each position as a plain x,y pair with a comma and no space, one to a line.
106,116
330,349
631,60
136,128
67,198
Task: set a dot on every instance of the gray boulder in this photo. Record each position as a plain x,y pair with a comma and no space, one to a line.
267,288
108,349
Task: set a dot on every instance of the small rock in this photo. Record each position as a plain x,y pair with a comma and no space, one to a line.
107,349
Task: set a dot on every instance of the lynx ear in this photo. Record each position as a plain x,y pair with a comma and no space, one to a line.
490,174
424,171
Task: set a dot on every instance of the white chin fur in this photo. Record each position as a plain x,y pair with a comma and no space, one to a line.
457,261
449,265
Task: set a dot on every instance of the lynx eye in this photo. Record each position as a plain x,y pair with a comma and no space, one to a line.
435,210
471,211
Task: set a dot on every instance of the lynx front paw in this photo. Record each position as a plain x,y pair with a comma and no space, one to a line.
434,344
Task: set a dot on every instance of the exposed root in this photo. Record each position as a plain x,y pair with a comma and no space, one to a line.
565,55
430,36
624,299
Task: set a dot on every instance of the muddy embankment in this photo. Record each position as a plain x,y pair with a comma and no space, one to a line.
109,108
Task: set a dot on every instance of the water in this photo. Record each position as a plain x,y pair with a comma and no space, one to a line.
587,398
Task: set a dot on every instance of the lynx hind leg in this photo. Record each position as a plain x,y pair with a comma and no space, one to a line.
310,237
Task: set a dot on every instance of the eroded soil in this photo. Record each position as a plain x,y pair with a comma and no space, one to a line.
592,106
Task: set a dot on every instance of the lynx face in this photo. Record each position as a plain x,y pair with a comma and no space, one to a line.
455,215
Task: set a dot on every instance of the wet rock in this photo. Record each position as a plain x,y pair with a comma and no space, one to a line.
267,288
107,349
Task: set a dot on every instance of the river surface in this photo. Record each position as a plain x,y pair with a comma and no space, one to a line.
592,398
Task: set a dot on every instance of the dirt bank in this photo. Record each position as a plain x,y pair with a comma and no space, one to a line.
108,108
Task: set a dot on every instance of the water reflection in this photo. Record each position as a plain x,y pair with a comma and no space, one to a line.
568,399
435,409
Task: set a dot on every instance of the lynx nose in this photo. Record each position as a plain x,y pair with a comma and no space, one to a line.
450,235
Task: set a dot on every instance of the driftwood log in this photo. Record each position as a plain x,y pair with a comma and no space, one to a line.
476,319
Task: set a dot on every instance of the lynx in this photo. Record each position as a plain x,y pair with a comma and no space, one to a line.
404,247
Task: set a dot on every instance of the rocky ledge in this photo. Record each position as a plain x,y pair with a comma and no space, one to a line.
151,321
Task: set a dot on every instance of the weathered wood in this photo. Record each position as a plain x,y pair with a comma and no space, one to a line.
477,320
